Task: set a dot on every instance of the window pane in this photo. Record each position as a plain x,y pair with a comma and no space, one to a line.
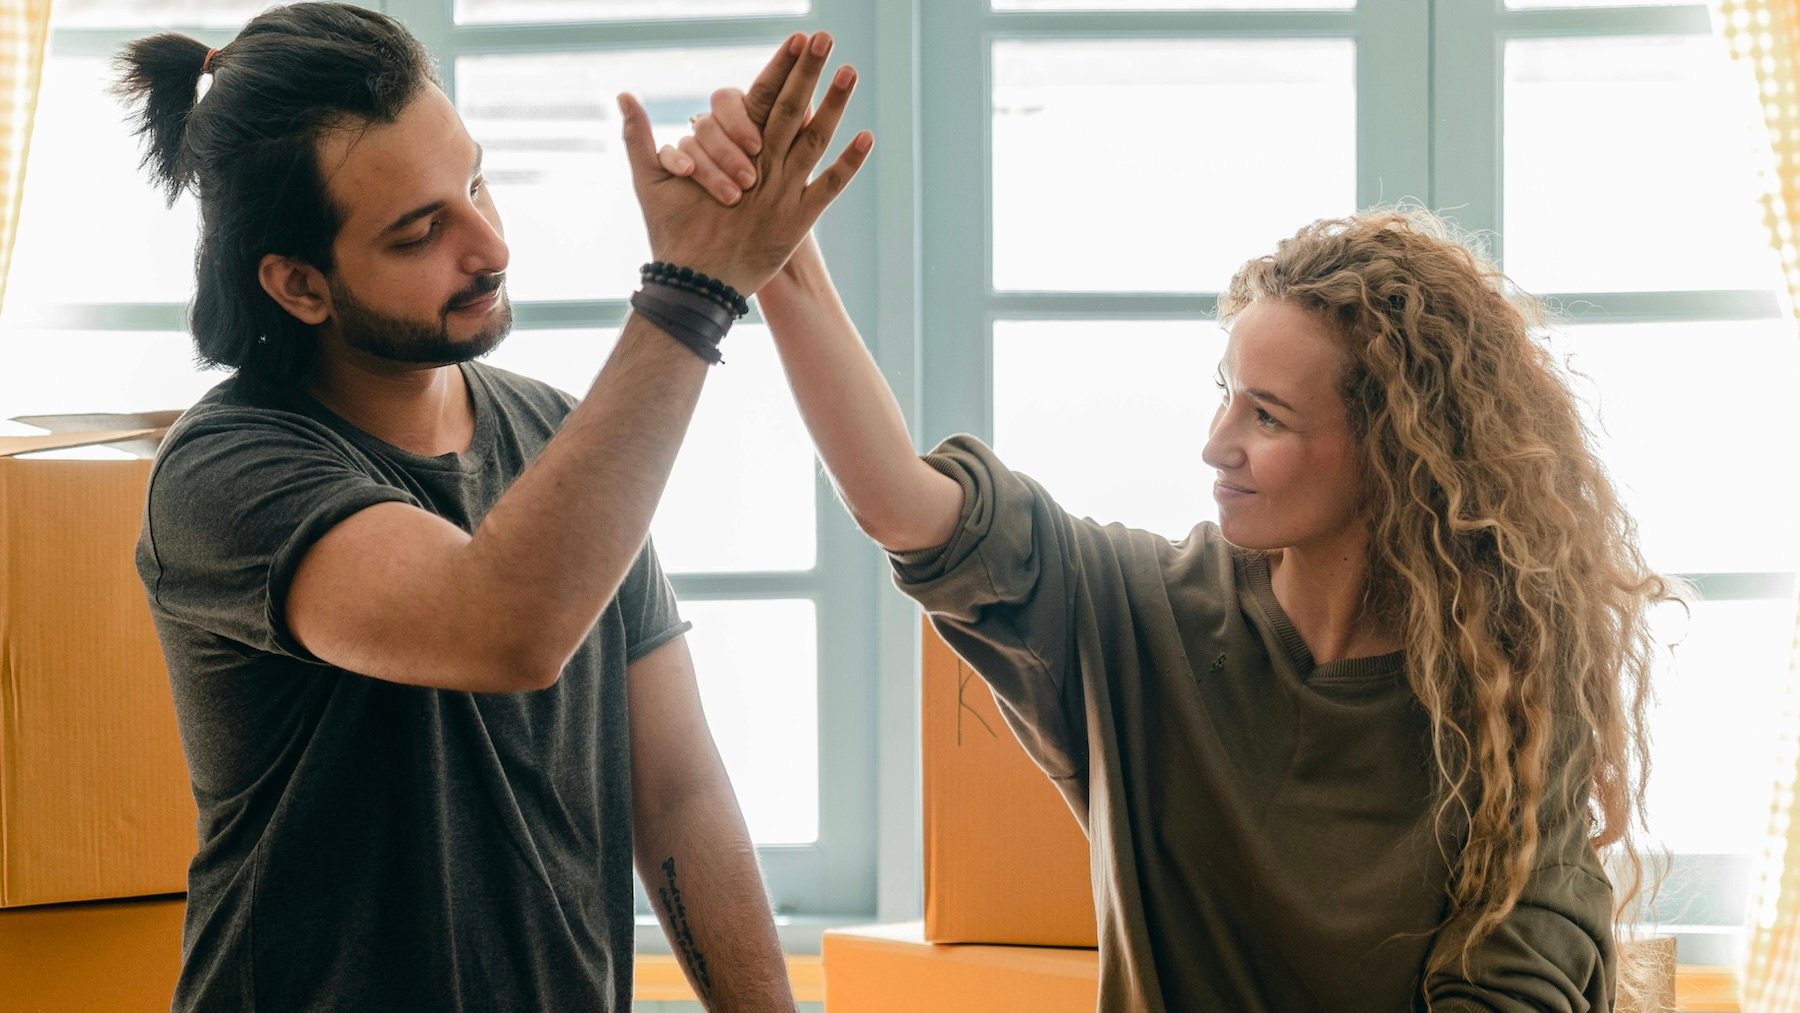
1243,142
741,497
1631,165
86,202
553,156
1170,5
54,372
757,663
622,10
1699,424
156,13
1717,725
1110,415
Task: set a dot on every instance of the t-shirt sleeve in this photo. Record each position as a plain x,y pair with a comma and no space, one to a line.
1008,592
647,604
233,506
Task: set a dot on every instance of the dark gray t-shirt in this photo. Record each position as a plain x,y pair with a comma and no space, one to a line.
363,844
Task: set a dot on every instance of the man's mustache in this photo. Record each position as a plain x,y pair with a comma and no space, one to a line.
478,289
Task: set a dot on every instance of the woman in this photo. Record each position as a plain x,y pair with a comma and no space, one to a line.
1363,743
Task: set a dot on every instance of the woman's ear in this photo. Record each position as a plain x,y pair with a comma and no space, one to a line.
297,286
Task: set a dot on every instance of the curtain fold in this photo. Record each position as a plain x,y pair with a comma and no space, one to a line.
1765,34
24,30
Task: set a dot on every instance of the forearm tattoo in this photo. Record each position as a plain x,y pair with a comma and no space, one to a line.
682,933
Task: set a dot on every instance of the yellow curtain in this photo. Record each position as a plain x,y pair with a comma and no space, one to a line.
1765,34
24,28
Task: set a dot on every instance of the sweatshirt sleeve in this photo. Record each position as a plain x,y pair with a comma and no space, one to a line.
1553,952
1556,950
1010,592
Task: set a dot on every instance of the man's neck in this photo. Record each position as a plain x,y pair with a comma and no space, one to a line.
422,409
1323,591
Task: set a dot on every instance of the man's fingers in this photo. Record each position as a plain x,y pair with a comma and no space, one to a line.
767,86
815,137
825,189
724,151
708,174
673,161
792,105
728,109
640,143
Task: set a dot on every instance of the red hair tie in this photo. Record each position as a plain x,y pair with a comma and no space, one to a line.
206,64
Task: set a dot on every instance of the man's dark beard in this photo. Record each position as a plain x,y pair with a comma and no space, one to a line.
399,339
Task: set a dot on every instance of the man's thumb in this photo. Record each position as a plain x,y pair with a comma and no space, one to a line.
640,143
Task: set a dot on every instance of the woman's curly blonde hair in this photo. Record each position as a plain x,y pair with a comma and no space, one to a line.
1499,550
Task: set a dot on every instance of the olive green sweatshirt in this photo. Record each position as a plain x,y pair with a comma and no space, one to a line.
1261,825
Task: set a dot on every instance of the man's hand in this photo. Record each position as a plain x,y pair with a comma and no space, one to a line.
745,242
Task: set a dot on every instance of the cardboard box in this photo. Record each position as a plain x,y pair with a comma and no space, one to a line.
1005,860
94,796
892,969
118,956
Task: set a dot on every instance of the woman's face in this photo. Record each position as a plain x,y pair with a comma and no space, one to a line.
1281,440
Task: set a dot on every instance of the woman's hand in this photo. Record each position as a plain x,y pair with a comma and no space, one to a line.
720,152
744,241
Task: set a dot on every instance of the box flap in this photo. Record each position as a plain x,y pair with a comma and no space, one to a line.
11,446
101,421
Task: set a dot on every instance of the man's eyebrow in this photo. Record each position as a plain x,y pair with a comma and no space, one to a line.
1263,395
428,209
412,216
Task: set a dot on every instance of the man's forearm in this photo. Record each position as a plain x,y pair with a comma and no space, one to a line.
896,498
699,868
554,549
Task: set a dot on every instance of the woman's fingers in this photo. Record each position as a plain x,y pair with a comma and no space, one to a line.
730,109
708,174
725,151
673,161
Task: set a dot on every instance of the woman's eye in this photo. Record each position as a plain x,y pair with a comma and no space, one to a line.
1263,418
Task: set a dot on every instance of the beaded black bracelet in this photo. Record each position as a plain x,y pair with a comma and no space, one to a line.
663,273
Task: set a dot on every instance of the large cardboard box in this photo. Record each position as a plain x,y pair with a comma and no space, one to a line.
116,956
94,797
892,969
1005,861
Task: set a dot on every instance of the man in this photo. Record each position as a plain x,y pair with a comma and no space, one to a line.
431,682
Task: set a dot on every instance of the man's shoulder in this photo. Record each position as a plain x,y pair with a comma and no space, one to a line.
245,411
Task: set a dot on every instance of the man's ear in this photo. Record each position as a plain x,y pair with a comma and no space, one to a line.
297,286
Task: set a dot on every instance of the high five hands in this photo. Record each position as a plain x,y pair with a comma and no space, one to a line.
742,234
